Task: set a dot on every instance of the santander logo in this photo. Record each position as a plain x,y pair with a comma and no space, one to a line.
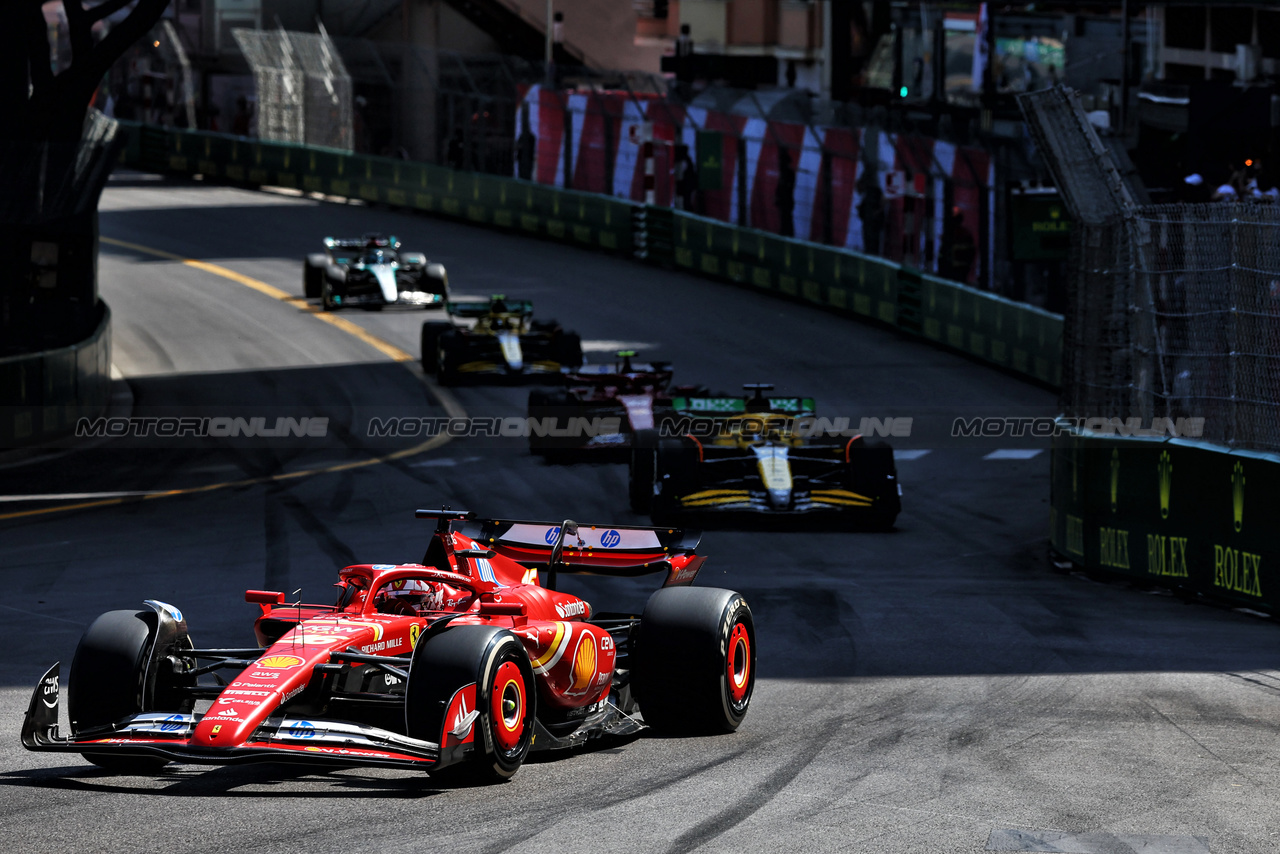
571,609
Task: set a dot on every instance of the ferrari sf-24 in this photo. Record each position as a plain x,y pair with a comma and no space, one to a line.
459,665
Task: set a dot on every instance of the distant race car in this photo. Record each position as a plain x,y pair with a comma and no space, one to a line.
602,406
726,456
459,666
372,272
497,337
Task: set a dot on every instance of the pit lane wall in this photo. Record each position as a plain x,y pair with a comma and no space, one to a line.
46,393
1013,336
1171,512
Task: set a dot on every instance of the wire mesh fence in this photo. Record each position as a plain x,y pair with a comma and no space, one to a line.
1173,311
1206,318
304,91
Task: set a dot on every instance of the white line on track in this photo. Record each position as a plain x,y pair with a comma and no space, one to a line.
81,496
914,454
1013,454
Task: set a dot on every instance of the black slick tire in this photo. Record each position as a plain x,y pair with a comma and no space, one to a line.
695,660
495,663
107,681
313,275
643,470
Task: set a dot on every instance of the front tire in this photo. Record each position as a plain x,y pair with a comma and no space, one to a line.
493,664
695,660
108,682
327,300
429,343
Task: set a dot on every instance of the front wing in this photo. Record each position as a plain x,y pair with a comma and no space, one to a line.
279,739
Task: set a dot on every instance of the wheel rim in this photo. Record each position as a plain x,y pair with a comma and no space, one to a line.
738,663
508,706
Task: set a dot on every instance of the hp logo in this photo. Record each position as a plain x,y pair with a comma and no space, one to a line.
552,533
610,538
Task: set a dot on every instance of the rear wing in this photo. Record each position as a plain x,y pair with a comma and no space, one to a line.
369,241
521,307
616,550
797,407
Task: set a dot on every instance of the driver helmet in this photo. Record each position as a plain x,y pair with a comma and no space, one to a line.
410,590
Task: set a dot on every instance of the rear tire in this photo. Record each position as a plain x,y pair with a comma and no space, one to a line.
435,280
695,660
643,472
568,349
313,275
108,682
494,661
872,472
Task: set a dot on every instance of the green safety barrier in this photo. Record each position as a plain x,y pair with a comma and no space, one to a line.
1011,335
1172,512
47,392
1015,336
584,219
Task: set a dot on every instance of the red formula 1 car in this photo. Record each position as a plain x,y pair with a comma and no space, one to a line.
601,407
459,665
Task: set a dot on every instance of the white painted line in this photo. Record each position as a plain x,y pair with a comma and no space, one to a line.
910,455
611,347
80,496
445,462
1013,454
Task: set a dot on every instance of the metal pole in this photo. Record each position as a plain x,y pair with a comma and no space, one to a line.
547,47
826,50
1125,37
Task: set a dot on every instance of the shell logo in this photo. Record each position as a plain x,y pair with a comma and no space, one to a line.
280,662
584,664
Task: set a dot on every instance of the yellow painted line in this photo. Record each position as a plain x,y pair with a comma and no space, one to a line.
447,400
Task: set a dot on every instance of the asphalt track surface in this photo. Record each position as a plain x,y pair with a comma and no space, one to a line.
939,688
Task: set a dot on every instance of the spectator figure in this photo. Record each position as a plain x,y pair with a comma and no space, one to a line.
1194,189
1226,191
244,114
871,212
959,249
455,153
686,181
526,146
359,126
784,197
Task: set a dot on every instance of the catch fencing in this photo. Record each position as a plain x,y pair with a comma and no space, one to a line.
1173,310
304,91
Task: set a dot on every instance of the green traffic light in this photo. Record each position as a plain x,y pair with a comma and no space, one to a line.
902,93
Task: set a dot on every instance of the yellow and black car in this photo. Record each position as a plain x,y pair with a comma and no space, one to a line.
729,457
